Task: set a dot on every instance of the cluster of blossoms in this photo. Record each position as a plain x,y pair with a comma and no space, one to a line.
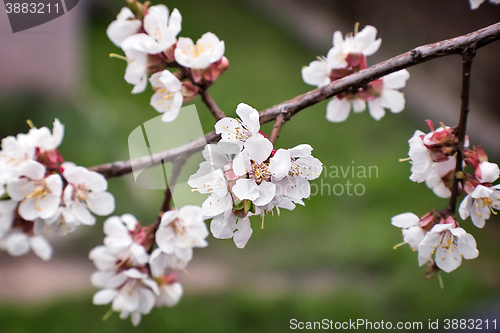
40,193
134,280
433,158
148,37
245,175
348,56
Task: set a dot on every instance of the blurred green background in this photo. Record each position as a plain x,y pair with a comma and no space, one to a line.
332,259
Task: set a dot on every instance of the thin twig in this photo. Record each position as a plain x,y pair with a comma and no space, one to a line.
416,56
467,56
278,125
176,170
211,105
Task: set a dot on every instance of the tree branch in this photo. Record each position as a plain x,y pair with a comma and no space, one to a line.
467,56
278,125
211,105
291,107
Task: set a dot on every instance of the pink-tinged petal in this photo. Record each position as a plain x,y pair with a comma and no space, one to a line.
215,205
141,86
147,301
81,213
113,226
376,109
413,236
133,273
31,169
102,258
246,189
249,116
174,22
243,233
17,244
338,110
104,296
358,105
75,175
47,206
267,190
393,100
135,318
41,247
19,189
465,207
218,52
190,215
28,210
365,40
54,184
479,216
95,181
157,262
308,167
183,47
168,217
448,259
396,80
241,164
101,203
280,164
469,247
170,81
481,192
258,148
372,48
405,220
302,150
170,294
427,247
130,221
139,253
489,172
171,115
317,73
221,227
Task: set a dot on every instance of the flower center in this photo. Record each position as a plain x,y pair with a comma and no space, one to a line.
260,172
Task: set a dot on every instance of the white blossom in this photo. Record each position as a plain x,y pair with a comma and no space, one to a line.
39,196
170,294
412,232
123,27
207,50
86,190
136,72
363,42
480,203
134,296
161,30
183,228
239,130
168,97
449,244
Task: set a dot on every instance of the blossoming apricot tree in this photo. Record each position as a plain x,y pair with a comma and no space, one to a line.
244,173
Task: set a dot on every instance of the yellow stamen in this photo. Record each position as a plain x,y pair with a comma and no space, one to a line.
398,245
114,55
107,315
356,28
30,123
